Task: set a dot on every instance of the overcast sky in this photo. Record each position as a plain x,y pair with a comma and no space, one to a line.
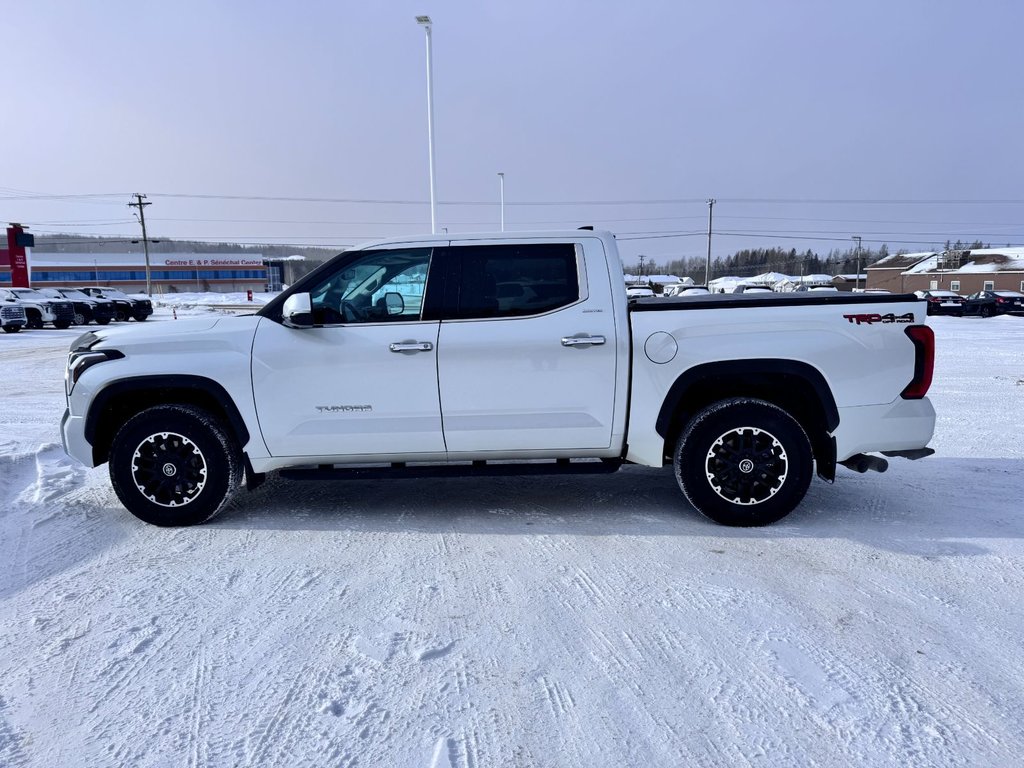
576,102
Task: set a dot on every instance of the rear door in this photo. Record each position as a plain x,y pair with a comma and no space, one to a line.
527,354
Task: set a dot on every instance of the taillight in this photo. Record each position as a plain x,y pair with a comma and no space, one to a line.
924,362
934,298
1000,300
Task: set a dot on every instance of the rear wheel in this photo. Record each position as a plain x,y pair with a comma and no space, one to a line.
744,462
102,320
174,465
80,318
62,324
986,311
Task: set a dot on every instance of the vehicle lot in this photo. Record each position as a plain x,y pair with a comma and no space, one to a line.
575,621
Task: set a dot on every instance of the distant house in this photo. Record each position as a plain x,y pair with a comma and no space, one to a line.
849,282
966,272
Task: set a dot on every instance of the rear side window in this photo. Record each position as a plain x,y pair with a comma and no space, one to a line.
515,280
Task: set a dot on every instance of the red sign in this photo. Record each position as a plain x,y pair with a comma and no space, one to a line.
17,259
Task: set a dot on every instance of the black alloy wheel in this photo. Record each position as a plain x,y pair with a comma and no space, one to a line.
744,462
174,465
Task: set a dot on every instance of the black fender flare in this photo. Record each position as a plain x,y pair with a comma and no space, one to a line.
200,389
757,376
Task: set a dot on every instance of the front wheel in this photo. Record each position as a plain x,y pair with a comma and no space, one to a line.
61,324
12,328
174,465
743,462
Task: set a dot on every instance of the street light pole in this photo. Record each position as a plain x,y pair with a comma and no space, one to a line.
427,25
501,193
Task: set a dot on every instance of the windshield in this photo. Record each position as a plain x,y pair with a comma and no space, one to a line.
113,293
28,294
72,293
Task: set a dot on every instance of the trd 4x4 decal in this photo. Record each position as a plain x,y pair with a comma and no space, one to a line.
870,319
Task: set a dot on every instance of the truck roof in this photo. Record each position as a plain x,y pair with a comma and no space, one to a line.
557,234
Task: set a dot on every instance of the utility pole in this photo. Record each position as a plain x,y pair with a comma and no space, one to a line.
145,240
707,266
640,280
856,283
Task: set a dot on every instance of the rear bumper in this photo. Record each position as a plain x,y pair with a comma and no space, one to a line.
901,425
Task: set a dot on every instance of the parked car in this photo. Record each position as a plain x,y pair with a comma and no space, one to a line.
816,289
125,306
692,290
40,309
743,288
638,292
87,308
12,315
989,303
339,377
943,302
677,289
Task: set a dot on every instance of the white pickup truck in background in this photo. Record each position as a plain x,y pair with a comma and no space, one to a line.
502,354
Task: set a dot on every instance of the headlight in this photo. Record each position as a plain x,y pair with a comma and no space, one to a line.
81,360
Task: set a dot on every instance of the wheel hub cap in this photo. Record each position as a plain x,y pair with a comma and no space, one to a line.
746,465
169,469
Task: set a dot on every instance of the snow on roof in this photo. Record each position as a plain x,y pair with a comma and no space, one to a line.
900,260
924,265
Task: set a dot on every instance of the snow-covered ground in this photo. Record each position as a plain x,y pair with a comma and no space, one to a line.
594,621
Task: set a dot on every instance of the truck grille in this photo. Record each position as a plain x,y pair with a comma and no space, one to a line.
63,310
12,313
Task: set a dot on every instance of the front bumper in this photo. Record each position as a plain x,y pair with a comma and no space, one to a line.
72,438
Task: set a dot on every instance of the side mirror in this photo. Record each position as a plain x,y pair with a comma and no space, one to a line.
297,311
394,302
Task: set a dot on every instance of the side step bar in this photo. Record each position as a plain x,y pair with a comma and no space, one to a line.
474,469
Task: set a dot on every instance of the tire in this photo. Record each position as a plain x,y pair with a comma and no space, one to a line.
743,462
120,315
986,311
12,328
61,324
81,319
35,320
102,320
140,318
174,465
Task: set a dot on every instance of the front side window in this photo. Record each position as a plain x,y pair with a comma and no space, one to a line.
516,280
375,287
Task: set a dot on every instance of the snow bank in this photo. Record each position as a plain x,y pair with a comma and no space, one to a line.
592,621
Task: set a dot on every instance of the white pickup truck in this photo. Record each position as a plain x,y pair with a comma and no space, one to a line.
502,354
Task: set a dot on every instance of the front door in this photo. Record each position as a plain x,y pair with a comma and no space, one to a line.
363,381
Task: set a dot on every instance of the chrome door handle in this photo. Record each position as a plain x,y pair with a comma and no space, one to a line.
410,346
581,341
